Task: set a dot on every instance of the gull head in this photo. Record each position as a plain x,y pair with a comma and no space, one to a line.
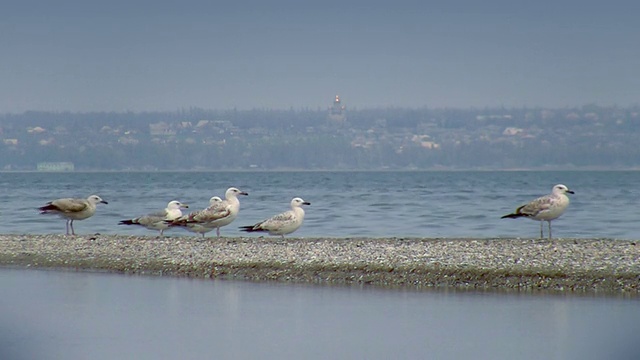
232,192
175,204
214,200
95,199
561,189
297,202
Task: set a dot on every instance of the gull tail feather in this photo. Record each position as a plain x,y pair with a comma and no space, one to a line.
250,228
127,222
47,208
513,216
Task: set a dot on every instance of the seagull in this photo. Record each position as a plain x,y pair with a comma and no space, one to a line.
220,215
72,209
545,208
183,221
156,221
284,223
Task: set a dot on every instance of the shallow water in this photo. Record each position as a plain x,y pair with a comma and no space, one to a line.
66,315
344,204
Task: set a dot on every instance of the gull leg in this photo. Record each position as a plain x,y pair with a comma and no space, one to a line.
541,233
218,232
66,226
73,232
549,229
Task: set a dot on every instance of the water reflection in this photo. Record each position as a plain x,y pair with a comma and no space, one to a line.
66,315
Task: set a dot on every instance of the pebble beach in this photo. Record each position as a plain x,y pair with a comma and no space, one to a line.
576,266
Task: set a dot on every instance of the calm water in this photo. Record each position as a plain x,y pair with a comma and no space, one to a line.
344,204
63,315
60,315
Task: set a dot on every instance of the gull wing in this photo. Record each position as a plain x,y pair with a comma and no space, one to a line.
209,214
68,205
152,218
276,221
536,206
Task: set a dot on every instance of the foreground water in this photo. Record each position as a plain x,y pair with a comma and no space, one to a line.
344,204
63,315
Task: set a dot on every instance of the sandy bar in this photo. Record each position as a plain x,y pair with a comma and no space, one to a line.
601,266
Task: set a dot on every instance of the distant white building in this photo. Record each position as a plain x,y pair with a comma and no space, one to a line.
161,128
512,131
55,166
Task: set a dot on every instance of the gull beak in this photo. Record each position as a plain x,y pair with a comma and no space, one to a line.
103,202
184,206
244,193
570,191
306,203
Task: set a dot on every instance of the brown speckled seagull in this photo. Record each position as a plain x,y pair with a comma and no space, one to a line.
545,208
214,217
284,223
186,221
157,220
72,209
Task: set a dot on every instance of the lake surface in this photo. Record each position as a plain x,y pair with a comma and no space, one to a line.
343,204
66,315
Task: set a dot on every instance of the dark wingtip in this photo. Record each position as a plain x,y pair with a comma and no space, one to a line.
126,222
46,208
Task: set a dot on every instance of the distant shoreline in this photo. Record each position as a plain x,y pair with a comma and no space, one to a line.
566,266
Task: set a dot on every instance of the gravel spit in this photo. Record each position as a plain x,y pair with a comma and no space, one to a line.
602,266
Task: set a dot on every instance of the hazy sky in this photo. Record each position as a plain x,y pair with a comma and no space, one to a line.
165,55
